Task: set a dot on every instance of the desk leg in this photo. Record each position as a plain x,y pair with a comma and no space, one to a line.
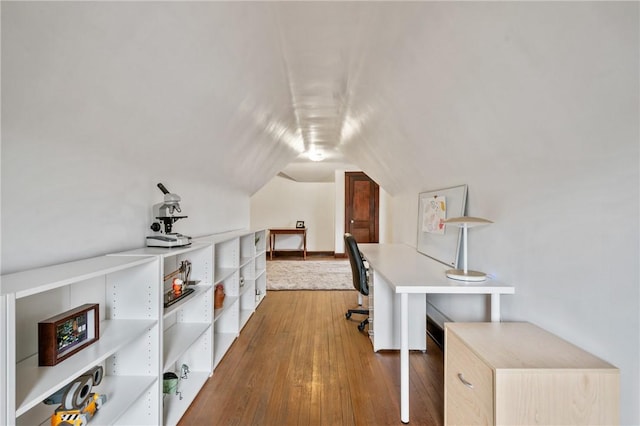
404,357
495,307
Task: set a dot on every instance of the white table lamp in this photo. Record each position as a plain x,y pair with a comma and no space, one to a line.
464,274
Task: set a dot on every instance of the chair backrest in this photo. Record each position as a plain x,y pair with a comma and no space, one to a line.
358,270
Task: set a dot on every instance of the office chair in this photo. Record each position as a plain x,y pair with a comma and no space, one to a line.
360,277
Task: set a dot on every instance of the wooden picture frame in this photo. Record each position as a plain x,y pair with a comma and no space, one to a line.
63,335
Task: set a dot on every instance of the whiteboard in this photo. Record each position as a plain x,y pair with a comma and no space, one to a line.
441,243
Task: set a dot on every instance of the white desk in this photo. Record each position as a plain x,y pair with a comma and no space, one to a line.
408,272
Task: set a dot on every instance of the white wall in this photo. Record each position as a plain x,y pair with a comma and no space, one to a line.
548,143
51,216
282,202
63,199
386,218
93,118
339,212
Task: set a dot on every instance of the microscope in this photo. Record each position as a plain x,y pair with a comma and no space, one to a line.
167,213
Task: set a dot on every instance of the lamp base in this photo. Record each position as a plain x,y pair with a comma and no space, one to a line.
458,274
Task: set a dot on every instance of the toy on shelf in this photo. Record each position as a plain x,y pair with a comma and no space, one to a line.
77,403
170,381
180,285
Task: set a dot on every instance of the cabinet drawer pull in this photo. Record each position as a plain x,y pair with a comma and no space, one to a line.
464,382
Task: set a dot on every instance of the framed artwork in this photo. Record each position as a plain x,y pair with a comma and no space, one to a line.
300,224
63,335
434,239
434,214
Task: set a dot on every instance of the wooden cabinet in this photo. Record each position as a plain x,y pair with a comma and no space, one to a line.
384,316
517,373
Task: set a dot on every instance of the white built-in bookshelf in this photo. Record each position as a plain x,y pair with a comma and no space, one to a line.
240,266
140,339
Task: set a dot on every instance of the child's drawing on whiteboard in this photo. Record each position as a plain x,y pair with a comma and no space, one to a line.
435,212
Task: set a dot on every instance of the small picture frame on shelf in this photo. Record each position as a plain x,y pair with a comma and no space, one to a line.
300,224
63,335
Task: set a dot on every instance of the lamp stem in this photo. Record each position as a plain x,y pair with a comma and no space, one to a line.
464,250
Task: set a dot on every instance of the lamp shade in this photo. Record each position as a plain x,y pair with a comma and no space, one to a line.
469,221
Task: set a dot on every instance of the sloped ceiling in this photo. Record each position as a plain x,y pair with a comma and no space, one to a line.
241,91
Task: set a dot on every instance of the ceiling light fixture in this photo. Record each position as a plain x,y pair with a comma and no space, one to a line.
315,155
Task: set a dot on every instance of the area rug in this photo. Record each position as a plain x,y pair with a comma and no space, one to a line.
309,275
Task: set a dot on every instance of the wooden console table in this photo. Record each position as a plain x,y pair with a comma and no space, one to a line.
287,231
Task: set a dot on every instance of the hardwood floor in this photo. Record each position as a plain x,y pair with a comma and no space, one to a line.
298,361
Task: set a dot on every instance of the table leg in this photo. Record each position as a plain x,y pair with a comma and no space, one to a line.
404,357
271,238
495,307
304,237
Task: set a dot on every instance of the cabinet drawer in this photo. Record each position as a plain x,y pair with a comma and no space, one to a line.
468,385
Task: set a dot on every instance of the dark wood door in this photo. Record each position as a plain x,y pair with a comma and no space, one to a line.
361,207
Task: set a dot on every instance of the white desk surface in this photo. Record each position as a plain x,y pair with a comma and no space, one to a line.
408,271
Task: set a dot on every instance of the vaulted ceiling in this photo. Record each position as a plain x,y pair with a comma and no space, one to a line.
242,91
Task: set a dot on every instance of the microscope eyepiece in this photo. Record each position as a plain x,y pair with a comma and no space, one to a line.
163,189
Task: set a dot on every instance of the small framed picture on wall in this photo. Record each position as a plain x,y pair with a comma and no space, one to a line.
300,224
